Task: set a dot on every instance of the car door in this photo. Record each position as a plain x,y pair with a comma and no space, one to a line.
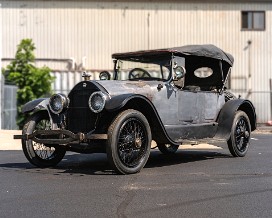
198,111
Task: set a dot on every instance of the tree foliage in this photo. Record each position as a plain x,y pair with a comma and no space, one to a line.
32,82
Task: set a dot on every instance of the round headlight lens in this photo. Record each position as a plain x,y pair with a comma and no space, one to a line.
97,102
58,102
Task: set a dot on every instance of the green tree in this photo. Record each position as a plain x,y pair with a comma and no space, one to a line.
32,82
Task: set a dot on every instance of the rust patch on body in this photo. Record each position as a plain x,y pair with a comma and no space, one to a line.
139,84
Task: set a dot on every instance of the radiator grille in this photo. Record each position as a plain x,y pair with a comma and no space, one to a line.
79,116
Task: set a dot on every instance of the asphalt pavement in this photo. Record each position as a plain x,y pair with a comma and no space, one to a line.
203,182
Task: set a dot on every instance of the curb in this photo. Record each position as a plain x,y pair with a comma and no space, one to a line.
7,142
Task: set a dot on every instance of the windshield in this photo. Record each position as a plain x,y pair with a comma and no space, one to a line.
135,70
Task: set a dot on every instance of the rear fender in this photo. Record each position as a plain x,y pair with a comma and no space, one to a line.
227,113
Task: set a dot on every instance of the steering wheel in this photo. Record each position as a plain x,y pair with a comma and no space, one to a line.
138,73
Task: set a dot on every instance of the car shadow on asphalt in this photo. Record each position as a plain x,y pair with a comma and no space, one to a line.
157,159
97,164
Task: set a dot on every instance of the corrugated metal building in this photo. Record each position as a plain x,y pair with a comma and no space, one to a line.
71,35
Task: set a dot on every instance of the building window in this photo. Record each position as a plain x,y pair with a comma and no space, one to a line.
253,20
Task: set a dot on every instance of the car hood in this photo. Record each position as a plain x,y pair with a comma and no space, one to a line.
115,87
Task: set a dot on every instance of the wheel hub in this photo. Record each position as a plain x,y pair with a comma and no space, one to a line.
246,134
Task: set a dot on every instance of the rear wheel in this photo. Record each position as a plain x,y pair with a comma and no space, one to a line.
129,142
39,154
240,135
167,148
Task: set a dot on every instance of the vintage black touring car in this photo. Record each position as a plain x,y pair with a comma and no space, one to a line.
166,95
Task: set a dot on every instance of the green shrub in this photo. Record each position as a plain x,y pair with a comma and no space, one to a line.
32,82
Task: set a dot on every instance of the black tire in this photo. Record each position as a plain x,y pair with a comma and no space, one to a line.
167,148
238,142
129,142
39,154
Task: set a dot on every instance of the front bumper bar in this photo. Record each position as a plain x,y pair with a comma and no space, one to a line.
60,136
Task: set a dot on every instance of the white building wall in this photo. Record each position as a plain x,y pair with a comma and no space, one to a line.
92,31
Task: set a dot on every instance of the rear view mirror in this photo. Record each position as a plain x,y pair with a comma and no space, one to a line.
179,72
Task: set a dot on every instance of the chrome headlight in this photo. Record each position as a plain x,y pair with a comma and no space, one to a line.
97,101
58,102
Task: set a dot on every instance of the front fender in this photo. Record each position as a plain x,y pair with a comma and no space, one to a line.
35,105
145,106
117,102
227,113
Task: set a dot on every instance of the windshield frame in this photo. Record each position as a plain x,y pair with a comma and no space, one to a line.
161,61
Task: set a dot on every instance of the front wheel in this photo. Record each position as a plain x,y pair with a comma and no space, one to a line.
238,142
129,142
39,154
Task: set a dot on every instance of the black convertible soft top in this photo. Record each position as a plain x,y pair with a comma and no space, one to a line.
210,51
